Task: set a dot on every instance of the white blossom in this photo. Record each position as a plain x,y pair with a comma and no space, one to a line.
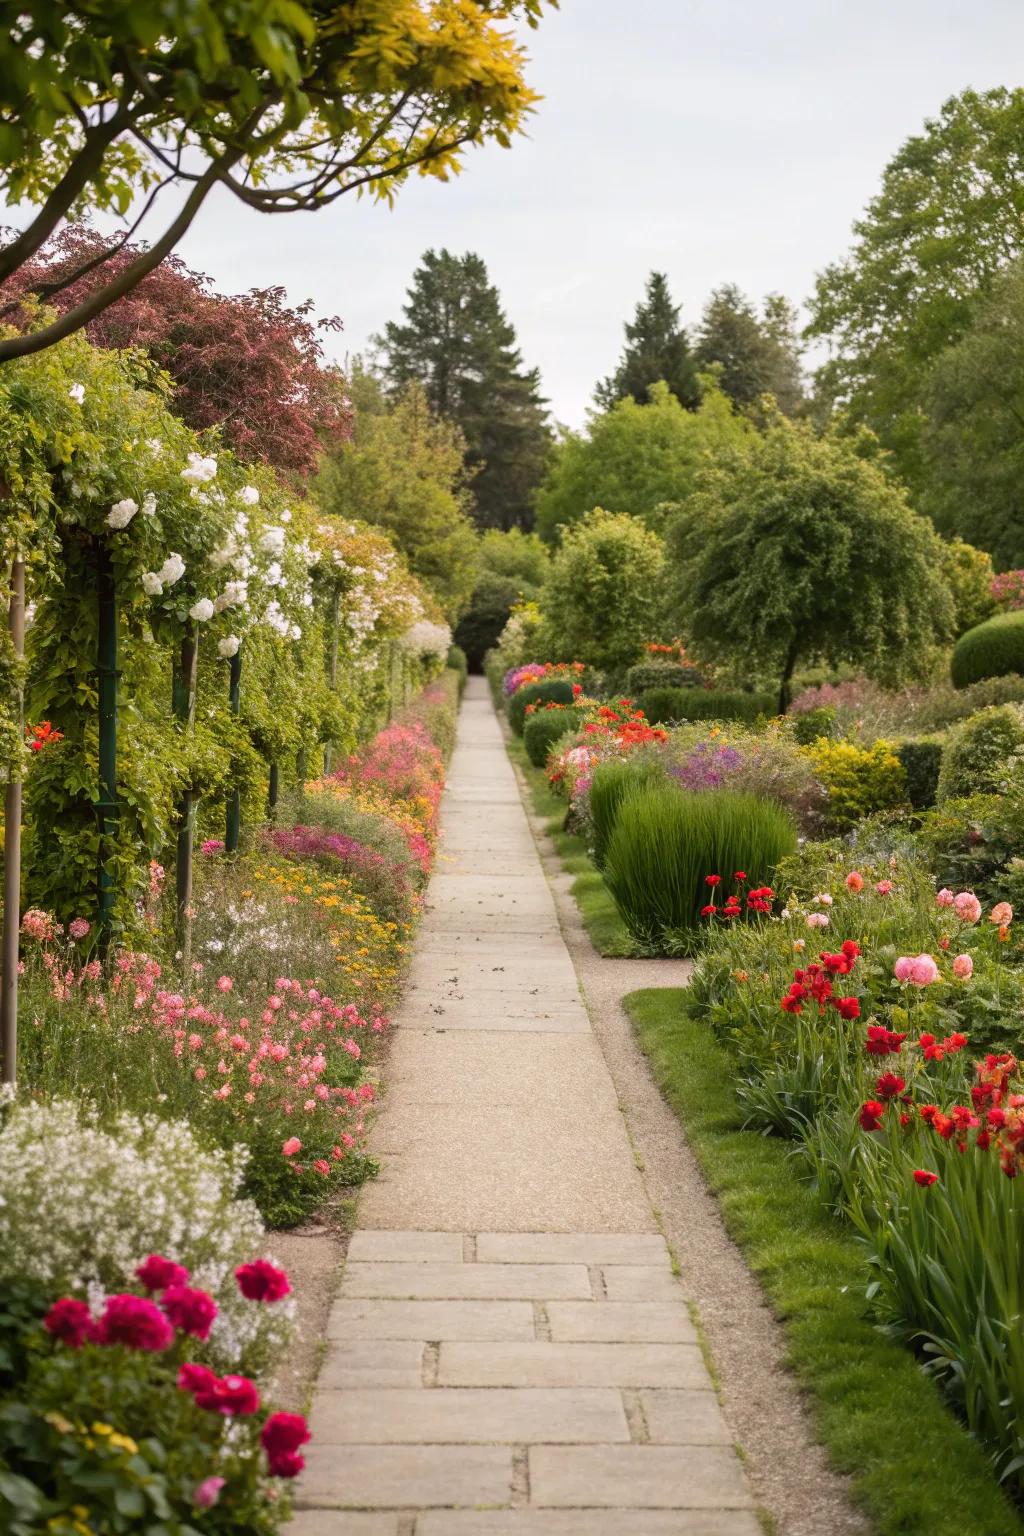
172,570
275,575
426,639
151,584
121,513
148,504
234,595
77,393
201,611
155,446
199,470
229,646
286,516
249,495
272,541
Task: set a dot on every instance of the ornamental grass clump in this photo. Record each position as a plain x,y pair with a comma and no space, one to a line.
612,781
666,841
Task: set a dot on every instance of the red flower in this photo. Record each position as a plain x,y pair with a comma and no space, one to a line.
870,1116
889,1086
882,1041
281,1437
850,948
136,1322
70,1321
712,880
924,1178
157,1273
791,1003
739,875
708,911
955,1042
847,1007
229,1395
191,1311
262,1281
836,965
196,1378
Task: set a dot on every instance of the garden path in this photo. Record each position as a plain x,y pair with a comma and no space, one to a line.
510,1353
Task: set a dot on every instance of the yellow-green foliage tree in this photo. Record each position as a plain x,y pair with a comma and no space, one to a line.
603,597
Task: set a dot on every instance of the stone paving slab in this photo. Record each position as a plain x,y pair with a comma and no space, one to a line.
641,1476
434,1320
469,1416
510,1353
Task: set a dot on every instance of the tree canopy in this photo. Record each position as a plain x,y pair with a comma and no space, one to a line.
948,218
636,457
285,104
657,347
753,355
799,549
603,598
403,471
456,341
250,364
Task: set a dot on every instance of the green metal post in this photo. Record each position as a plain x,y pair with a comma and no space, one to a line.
183,707
12,856
106,805
234,819
274,790
332,666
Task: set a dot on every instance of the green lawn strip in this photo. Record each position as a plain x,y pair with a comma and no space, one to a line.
914,1468
600,915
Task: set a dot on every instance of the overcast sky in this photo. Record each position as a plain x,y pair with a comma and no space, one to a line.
717,140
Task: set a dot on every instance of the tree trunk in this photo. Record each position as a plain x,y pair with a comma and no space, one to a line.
785,691
233,828
106,805
12,855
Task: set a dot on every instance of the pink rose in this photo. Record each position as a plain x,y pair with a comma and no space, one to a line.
944,898
967,907
291,1146
963,967
884,887
1002,913
207,1492
919,970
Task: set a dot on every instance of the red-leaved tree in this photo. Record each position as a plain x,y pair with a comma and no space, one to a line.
250,364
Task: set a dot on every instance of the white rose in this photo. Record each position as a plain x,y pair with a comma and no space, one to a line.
274,575
151,584
201,611
148,504
249,495
77,393
286,516
272,542
121,513
172,570
296,632
199,470
228,647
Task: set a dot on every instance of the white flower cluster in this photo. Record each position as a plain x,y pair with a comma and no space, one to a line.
172,570
199,470
426,639
81,1207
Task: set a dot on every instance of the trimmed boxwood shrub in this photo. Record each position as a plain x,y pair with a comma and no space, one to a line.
557,689
542,730
707,704
663,706
992,649
611,782
665,843
922,761
977,754
660,674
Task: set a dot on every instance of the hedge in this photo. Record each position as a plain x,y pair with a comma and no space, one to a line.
992,649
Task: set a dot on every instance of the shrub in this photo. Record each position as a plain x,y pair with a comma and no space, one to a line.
942,707
971,842
542,730
922,761
603,595
979,751
554,690
481,625
991,649
708,704
611,782
663,706
858,780
660,674
666,842
459,663
766,762
810,724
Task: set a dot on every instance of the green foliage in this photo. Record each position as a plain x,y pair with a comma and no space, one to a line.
663,706
810,724
635,458
657,350
725,704
751,355
602,599
980,752
480,627
522,557
946,221
542,730
944,706
974,842
799,548
459,664
557,690
612,781
664,844
403,470
859,780
472,374
922,763
992,649
968,572
660,674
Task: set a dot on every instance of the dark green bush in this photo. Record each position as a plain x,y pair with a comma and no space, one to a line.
707,704
922,761
485,618
611,782
664,706
811,724
542,730
458,663
666,842
977,755
973,842
660,674
992,649
557,690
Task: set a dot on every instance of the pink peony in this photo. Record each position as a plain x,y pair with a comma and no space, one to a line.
963,967
291,1146
228,1395
281,1437
135,1322
967,907
1002,913
79,927
191,1311
944,898
817,920
919,970
884,887
70,1321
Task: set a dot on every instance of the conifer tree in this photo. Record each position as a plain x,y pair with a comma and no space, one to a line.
656,348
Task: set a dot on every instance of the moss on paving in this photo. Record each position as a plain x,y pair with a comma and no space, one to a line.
914,1468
